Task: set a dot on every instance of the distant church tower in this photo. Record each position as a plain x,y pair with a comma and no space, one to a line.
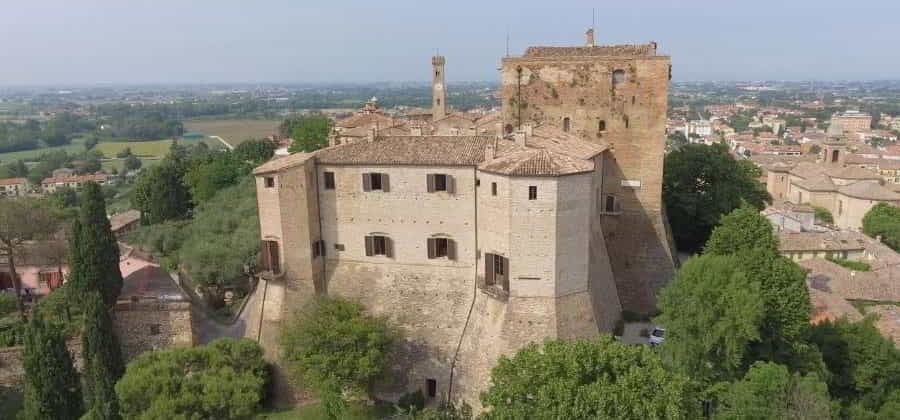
438,89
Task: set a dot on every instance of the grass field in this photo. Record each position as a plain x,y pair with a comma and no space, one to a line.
233,131
153,148
31,155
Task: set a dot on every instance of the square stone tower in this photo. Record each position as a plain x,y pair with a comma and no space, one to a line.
438,89
615,95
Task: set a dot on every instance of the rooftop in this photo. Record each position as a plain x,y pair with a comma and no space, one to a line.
646,50
12,181
822,241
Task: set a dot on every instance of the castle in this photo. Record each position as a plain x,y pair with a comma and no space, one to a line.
477,241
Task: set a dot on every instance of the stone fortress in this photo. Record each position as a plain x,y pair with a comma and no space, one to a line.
476,235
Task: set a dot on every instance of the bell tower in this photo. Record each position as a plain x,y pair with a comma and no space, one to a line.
438,89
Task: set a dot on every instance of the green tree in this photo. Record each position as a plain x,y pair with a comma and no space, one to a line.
712,312
132,163
254,151
160,193
102,358
864,366
208,177
310,132
52,388
883,220
822,215
676,140
22,220
741,230
15,169
124,153
769,391
93,249
600,378
225,379
336,348
700,184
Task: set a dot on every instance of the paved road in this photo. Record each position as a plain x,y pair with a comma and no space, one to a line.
227,145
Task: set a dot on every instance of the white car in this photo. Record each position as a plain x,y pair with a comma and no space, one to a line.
657,336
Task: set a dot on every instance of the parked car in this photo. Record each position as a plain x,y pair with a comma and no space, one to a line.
657,336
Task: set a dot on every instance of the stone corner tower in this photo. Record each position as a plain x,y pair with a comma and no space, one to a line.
438,89
615,95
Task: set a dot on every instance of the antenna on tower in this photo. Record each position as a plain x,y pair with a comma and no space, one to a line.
507,40
594,18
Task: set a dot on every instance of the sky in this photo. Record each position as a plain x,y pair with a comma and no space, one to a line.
76,42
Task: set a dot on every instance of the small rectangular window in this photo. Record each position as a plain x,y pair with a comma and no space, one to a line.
431,385
441,247
610,205
532,192
439,182
375,182
329,180
378,245
270,182
493,188
318,248
339,247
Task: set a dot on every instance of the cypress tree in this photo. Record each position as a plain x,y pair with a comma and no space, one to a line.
94,252
52,388
102,360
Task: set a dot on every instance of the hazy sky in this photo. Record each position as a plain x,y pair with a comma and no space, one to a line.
131,41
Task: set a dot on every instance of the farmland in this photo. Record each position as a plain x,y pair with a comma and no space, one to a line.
31,155
234,131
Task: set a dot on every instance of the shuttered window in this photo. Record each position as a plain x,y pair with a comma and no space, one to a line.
440,182
496,269
375,182
379,245
329,180
269,258
441,248
318,248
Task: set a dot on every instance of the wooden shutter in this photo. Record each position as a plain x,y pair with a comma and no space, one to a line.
451,249
388,247
431,245
488,269
385,185
430,180
505,262
367,182
451,184
370,246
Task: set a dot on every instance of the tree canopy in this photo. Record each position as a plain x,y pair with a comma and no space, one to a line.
741,230
600,378
225,379
883,220
334,347
160,193
52,387
700,184
93,249
23,220
310,132
770,391
102,357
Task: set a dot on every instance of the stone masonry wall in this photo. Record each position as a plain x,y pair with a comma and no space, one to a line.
146,326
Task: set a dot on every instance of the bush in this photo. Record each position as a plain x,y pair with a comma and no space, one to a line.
8,304
883,220
411,401
850,264
823,215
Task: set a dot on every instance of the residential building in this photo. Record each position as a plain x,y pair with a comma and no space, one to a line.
13,187
49,185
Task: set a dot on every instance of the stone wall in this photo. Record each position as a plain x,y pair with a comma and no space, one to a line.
150,325
12,372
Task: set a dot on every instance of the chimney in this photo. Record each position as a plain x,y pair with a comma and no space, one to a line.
590,37
490,151
520,137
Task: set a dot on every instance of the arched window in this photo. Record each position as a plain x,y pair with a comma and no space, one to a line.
566,124
601,126
618,77
834,156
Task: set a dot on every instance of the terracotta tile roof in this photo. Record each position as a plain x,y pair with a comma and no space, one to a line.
818,182
366,119
869,191
280,163
822,241
151,282
555,140
13,181
123,219
829,277
807,169
410,150
537,162
76,178
852,172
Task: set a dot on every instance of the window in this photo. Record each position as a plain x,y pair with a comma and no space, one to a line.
610,205
626,122
633,98
840,207
495,271
318,248
154,329
329,180
532,192
438,101
566,124
437,73
440,182
508,129
601,126
269,257
339,247
270,182
441,247
618,77
375,182
431,387
834,156
378,245
493,188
